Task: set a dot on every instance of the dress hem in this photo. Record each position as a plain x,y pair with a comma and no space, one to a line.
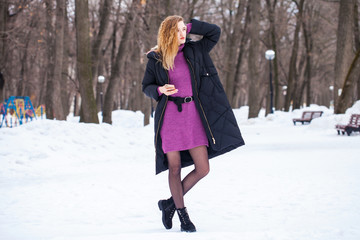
187,148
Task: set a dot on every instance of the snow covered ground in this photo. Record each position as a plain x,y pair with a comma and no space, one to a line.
70,181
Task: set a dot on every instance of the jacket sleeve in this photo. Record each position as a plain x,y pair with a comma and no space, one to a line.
210,32
149,85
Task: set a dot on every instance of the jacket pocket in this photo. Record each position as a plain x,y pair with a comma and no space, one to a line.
209,80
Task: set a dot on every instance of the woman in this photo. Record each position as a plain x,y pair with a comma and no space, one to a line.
193,118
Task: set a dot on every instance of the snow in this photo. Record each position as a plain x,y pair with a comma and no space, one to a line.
68,180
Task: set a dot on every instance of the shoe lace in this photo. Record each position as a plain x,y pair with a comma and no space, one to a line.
185,217
172,212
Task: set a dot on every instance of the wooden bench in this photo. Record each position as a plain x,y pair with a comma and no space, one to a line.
352,126
307,116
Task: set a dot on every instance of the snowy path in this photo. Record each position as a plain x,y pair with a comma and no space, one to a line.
71,181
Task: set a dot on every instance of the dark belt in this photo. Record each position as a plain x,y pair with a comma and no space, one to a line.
180,100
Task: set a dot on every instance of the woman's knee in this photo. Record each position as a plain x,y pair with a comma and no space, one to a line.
174,169
203,170
174,163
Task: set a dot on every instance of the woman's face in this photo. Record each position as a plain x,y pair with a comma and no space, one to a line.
181,32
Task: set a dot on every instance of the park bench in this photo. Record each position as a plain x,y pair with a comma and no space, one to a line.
352,126
307,116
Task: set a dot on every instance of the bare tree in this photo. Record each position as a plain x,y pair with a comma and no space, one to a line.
357,40
345,100
3,21
98,44
66,90
307,26
253,60
233,29
344,46
237,90
271,7
114,80
292,65
104,12
56,82
84,74
50,43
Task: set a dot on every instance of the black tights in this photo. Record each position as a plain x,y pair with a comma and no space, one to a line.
179,188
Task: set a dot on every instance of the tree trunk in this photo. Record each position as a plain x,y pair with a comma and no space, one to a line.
300,83
105,10
344,46
54,106
83,50
66,92
357,42
98,45
50,43
237,76
23,61
292,66
57,82
253,60
77,103
231,52
138,70
345,99
115,79
3,22
277,88
358,88
42,93
356,26
308,46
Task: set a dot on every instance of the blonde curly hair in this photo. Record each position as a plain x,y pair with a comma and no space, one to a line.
167,41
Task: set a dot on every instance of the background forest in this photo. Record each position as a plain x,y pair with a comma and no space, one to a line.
55,50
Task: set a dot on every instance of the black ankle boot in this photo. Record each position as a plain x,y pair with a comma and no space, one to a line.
168,210
186,224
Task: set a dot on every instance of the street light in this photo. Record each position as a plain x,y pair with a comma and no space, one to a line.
331,88
270,55
101,80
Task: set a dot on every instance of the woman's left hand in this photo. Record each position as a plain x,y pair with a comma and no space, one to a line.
168,89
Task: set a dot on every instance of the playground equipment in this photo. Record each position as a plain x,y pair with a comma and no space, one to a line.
40,111
16,110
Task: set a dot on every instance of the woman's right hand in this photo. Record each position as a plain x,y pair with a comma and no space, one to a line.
168,89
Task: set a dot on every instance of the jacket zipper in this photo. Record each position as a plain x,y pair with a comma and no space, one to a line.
162,114
197,96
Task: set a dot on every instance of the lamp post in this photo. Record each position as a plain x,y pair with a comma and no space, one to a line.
270,55
331,88
101,80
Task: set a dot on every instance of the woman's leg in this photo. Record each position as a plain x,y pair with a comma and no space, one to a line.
202,168
176,188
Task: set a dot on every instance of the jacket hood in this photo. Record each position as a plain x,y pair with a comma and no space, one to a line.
153,54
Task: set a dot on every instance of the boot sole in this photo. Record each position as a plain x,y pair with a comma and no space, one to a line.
189,231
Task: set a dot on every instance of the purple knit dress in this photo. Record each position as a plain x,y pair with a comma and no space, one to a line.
182,130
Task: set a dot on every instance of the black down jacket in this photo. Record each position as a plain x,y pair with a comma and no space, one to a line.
216,114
